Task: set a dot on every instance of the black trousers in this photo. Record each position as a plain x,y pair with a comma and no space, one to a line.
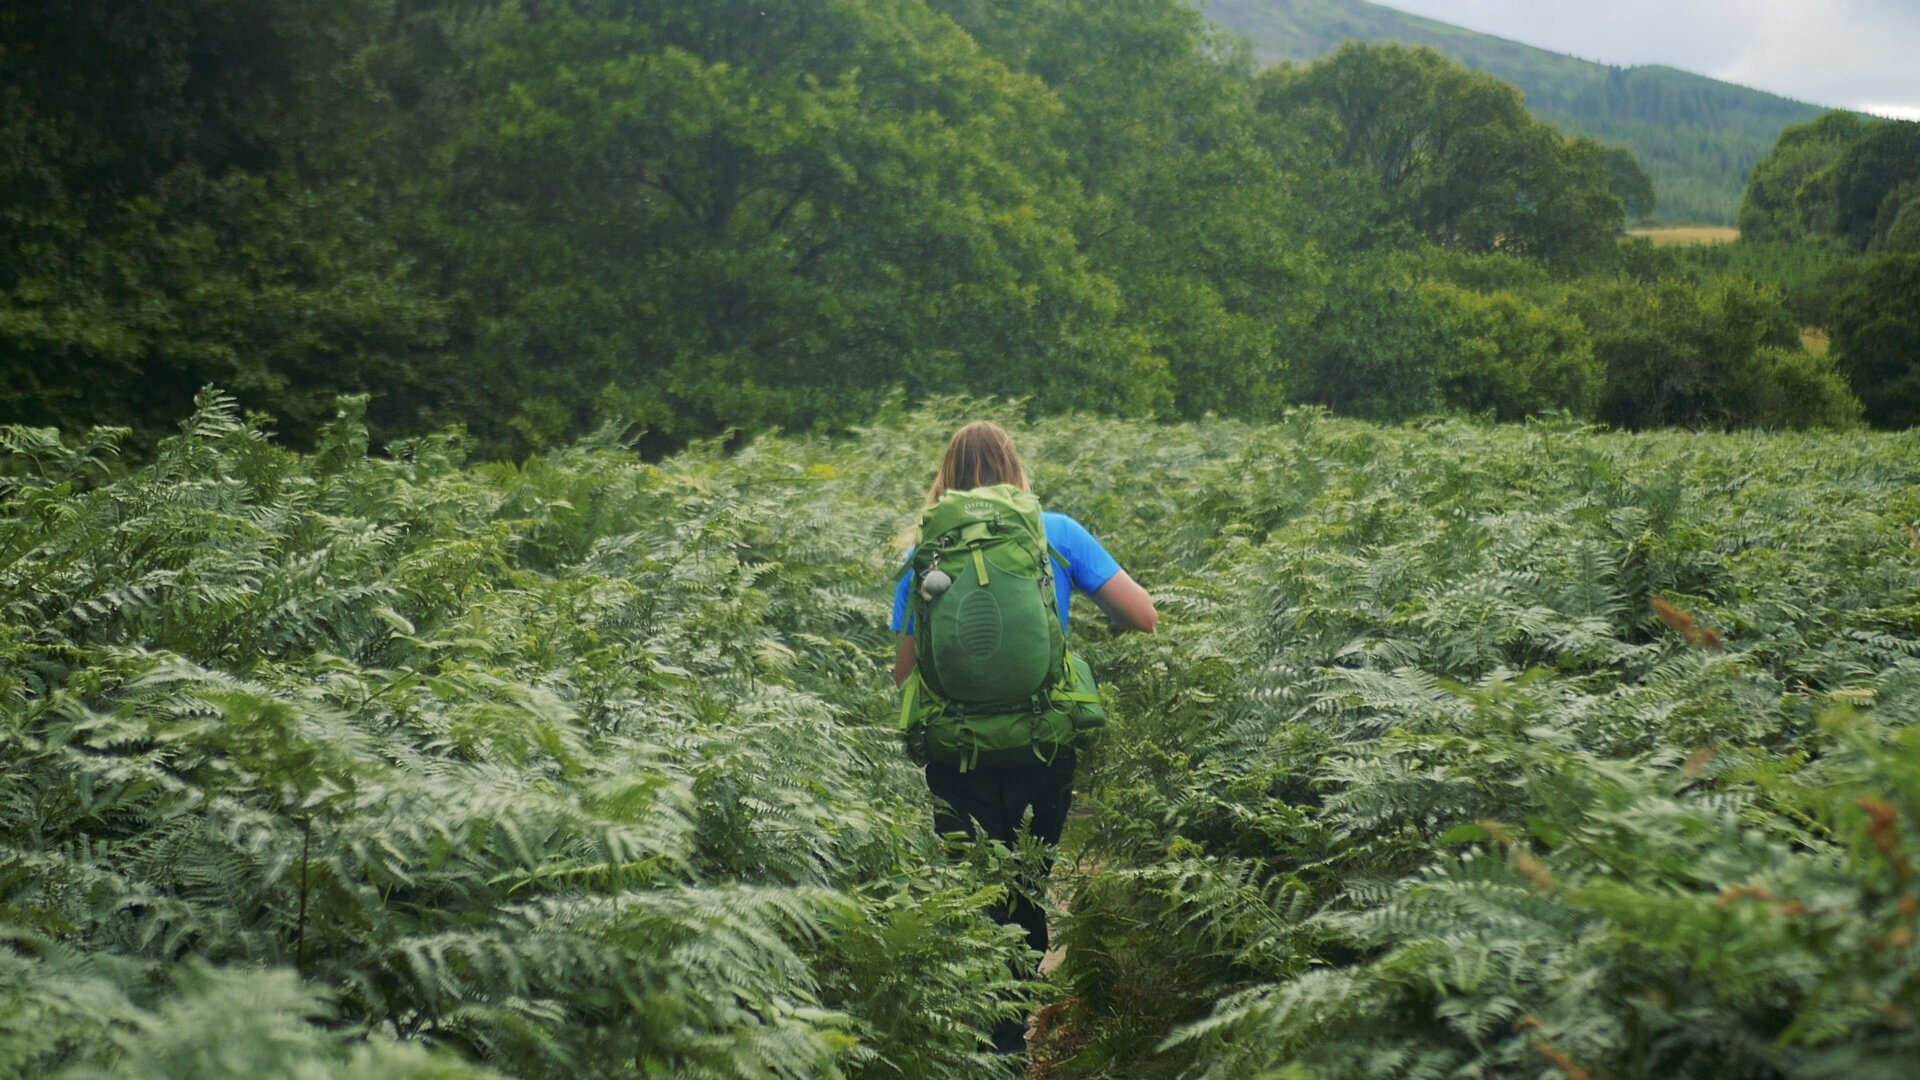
997,799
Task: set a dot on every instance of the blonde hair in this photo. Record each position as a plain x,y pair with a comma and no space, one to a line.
979,454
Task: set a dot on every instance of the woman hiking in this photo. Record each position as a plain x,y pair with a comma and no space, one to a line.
991,701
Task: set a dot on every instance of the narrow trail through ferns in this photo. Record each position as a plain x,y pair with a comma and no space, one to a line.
347,765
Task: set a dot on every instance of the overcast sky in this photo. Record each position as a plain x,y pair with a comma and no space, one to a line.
1857,54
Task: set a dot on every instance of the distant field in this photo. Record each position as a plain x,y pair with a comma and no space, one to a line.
1688,235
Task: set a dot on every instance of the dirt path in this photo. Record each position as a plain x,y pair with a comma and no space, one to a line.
1049,1045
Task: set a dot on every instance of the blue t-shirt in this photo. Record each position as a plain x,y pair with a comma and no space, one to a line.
1088,568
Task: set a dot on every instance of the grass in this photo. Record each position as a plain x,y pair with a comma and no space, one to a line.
1688,235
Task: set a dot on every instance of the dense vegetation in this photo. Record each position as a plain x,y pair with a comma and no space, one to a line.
336,765
314,762
704,217
1832,219
1696,136
530,715
1428,781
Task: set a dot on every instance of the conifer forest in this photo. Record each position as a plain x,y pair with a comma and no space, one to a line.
456,457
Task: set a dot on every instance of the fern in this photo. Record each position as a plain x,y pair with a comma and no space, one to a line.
583,766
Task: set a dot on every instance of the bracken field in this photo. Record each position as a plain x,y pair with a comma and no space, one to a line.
1463,751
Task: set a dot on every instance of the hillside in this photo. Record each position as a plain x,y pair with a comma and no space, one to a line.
1697,137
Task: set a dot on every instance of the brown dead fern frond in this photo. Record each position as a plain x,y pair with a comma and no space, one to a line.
1697,633
1552,1052
1883,826
1530,868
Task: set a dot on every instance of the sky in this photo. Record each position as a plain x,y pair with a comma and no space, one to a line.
1855,54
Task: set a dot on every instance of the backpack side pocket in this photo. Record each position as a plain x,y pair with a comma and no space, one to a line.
1082,701
918,708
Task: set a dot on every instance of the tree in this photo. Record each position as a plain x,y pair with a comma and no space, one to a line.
1406,333
1512,356
1871,180
1876,335
1374,351
1722,354
1628,181
1898,227
1188,210
704,214
174,214
1453,153
1794,193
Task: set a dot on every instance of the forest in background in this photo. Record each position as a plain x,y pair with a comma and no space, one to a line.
1697,137
529,219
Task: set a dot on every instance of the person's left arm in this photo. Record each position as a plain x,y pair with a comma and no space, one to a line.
1125,604
903,664
1095,572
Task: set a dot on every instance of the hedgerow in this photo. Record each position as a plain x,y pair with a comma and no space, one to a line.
1463,751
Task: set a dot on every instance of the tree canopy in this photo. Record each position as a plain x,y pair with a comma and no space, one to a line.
184,202
1454,153
753,214
1876,333
1696,137
534,218
1843,178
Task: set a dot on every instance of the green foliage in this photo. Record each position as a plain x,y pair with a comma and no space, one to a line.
1511,357
1629,182
583,767
700,215
1807,275
1696,137
1782,201
603,212
1832,190
577,768
1418,785
700,219
1876,335
175,213
1375,349
1872,181
1200,222
1416,332
1842,180
1716,354
1452,153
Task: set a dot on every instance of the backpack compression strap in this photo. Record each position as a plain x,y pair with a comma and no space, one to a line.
909,690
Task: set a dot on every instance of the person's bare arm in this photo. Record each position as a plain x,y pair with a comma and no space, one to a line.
903,666
1126,605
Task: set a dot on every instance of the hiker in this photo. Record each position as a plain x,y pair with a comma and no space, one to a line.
996,707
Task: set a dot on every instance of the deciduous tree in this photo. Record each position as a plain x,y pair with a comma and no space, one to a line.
1453,153
699,214
1876,335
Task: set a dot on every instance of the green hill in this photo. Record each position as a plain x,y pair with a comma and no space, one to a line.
1697,137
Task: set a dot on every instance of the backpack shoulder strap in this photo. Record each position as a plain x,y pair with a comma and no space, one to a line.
1047,546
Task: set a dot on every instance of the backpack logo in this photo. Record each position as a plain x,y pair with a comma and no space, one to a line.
978,508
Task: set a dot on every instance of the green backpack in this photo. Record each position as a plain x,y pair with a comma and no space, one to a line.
993,683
